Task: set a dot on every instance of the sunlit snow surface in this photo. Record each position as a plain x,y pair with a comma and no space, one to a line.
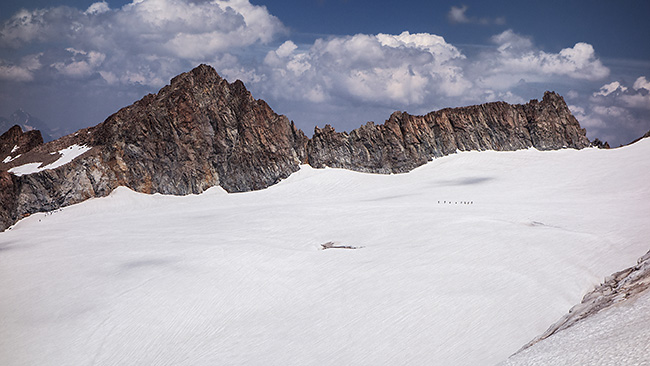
67,155
619,335
239,279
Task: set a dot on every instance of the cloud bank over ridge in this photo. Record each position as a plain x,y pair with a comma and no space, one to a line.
344,80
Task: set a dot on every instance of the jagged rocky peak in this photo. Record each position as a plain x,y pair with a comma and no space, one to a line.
405,141
205,130
599,144
197,132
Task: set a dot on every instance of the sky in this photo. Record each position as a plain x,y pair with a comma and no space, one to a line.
72,63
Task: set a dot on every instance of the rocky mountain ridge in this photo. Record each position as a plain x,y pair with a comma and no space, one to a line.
201,131
405,141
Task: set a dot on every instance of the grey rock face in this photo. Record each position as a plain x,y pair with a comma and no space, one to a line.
404,141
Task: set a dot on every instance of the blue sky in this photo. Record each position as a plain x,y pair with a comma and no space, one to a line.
73,63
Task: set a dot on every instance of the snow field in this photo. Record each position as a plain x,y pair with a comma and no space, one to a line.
239,279
619,335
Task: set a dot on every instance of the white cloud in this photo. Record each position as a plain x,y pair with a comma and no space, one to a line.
509,41
25,26
286,49
610,88
387,69
611,111
165,34
457,14
572,94
22,72
516,56
15,73
517,61
435,45
576,109
638,96
141,45
98,8
641,83
616,112
637,100
80,64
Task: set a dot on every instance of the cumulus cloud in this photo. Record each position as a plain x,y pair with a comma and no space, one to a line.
641,83
418,69
418,72
610,88
517,58
23,71
80,64
390,69
98,8
141,45
617,112
159,33
637,96
457,14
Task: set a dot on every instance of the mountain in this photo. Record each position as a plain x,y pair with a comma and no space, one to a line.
28,123
201,131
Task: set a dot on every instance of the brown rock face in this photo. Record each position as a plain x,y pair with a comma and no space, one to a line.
197,132
405,141
201,131
15,142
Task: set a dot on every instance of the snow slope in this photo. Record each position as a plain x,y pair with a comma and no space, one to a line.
240,279
619,335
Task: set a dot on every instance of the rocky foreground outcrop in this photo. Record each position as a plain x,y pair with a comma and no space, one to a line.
201,131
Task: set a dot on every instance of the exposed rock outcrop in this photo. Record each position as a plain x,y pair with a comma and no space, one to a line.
620,286
15,142
599,144
201,131
197,132
404,141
